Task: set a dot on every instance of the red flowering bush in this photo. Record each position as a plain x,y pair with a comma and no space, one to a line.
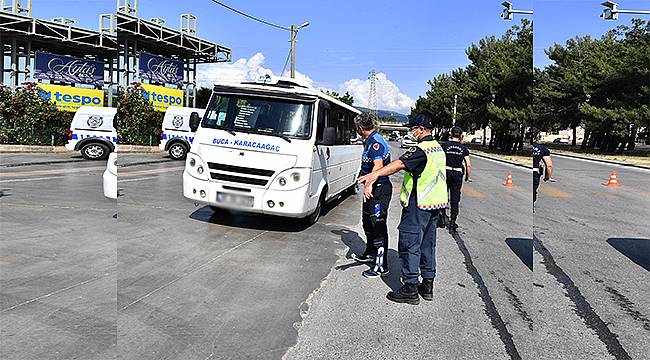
137,121
26,118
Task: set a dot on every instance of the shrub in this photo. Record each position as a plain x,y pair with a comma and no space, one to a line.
28,119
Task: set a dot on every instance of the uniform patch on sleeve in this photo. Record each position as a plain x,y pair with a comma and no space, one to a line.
375,146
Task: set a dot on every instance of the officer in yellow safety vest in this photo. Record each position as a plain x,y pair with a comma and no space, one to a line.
423,198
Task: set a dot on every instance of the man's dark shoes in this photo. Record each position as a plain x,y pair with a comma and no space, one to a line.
371,273
426,289
363,258
407,294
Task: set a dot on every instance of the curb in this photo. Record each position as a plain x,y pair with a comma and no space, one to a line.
6,148
138,149
484,155
605,161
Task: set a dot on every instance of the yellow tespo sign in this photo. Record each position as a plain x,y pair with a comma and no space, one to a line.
68,98
162,97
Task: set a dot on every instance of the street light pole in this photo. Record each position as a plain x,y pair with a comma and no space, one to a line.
293,29
611,11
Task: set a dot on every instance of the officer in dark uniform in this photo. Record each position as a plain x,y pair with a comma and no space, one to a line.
458,163
423,198
542,163
376,154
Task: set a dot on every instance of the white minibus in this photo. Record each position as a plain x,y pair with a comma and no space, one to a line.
277,147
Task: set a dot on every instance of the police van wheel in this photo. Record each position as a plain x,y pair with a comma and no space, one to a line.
95,151
178,151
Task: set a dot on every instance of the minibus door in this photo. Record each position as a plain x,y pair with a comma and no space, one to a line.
322,151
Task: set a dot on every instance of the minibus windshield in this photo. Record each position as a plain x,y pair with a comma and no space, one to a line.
261,115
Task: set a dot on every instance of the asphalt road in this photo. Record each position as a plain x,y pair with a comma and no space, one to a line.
58,262
592,261
172,280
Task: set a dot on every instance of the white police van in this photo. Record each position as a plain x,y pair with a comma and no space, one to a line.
274,147
110,177
176,136
92,132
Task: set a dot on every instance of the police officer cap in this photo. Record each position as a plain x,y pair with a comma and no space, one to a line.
421,119
456,130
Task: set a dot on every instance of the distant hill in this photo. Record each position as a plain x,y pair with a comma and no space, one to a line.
395,115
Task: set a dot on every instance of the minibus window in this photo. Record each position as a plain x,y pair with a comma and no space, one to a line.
260,115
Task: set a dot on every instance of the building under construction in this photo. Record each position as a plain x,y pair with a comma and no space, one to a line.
119,43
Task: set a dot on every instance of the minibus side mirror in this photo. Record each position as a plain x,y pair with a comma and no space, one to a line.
329,136
195,120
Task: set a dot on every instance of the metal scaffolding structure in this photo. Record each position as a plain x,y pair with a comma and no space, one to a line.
21,36
136,35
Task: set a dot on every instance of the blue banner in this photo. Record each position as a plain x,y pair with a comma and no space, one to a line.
68,69
160,69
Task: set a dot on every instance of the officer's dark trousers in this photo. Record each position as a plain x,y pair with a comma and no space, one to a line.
374,215
417,243
454,183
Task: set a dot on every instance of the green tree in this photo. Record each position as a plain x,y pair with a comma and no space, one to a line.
203,97
345,98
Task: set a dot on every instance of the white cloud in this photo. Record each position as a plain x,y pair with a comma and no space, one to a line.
389,97
241,70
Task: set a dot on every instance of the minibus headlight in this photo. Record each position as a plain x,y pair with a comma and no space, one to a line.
192,162
291,179
195,167
199,169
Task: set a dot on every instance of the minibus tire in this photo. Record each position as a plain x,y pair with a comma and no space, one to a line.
180,149
95,151
313,217
354,189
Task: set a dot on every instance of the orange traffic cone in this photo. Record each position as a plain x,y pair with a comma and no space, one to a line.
612,180
508,180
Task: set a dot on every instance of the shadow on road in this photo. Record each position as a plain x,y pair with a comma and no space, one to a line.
357,245
259,221
637,250
523,248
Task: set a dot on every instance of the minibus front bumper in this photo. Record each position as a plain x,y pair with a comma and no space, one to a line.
293,203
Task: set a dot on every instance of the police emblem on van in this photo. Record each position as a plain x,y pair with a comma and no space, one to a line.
177,121
95,121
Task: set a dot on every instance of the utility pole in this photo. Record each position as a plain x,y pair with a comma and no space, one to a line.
455,99
293,29
372,94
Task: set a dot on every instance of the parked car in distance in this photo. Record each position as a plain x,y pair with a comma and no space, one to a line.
393,137
561,141
476,140
408,141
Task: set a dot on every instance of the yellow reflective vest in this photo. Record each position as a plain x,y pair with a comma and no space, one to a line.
432,183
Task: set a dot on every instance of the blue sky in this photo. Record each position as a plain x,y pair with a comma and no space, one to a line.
407,41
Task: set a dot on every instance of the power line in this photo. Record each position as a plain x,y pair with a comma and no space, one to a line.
285,63
251,16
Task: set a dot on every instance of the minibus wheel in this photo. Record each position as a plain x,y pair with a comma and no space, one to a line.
178,151
313,218
95,151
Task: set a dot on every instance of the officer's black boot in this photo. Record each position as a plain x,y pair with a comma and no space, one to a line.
407,294
426,289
